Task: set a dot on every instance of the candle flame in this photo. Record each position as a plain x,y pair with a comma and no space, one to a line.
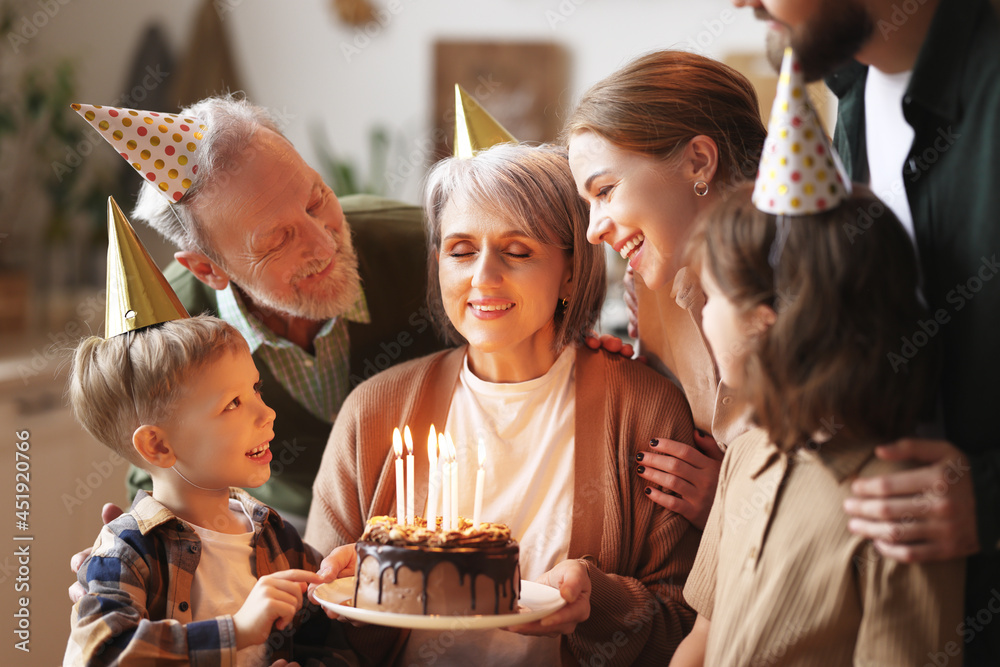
408,439
432,450
482,454
452,450
397,442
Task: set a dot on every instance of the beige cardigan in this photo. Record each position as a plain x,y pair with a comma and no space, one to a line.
638,553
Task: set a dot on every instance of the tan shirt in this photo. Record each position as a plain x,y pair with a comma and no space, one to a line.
670,336
784,582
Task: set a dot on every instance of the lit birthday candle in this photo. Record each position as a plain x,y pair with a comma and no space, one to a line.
480,482
408,439
397,446
453,453
433,479
445,483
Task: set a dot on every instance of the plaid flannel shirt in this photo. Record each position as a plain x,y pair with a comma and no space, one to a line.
138,578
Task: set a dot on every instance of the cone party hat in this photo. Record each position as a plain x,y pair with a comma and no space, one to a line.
138,294
162,147
475,129
799,171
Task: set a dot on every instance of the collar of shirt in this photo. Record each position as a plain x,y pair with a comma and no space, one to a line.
842,458
232,309
150,513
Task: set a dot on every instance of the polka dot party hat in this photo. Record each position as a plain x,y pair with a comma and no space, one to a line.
799,171
163,147
475,129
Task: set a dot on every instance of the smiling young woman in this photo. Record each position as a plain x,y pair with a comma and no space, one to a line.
652,147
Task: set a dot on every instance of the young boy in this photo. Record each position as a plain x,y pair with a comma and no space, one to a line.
196,572
197,568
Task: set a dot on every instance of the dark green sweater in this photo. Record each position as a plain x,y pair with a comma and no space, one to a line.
392,260
952,182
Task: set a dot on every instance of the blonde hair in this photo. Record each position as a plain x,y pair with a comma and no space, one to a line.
533,188
121,383
657,103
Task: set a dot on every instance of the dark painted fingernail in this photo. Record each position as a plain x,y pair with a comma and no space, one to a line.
648,490
638,456
641,469
653,442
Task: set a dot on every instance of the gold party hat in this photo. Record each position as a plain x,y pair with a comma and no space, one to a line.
475,129
799,172
138,294
162,147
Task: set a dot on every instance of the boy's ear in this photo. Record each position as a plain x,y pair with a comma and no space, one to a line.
761,318
151,443
203,268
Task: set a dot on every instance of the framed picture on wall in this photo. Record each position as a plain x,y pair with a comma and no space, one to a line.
521,84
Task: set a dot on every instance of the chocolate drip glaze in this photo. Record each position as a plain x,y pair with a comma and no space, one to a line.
499,563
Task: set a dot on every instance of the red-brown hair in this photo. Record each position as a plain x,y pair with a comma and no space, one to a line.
657,103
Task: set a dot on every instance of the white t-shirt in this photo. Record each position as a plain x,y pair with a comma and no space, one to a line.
223,579
888,137
528,429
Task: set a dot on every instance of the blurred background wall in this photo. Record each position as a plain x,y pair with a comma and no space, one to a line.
354,85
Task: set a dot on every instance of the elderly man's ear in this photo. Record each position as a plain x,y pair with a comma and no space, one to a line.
203,268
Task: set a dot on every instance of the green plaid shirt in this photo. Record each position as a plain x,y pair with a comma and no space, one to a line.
319,382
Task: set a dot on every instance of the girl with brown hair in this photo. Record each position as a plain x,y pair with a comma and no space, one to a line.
806,328
651,147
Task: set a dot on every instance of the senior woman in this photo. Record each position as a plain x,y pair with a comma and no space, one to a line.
651,147
516,284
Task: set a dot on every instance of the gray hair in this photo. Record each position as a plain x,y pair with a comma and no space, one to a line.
533,188
232,123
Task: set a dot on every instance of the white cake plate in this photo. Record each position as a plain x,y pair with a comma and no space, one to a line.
537,601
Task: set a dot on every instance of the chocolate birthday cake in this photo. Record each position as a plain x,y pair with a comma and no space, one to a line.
412,570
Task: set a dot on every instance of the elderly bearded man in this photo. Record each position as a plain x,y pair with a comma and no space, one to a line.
326,292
